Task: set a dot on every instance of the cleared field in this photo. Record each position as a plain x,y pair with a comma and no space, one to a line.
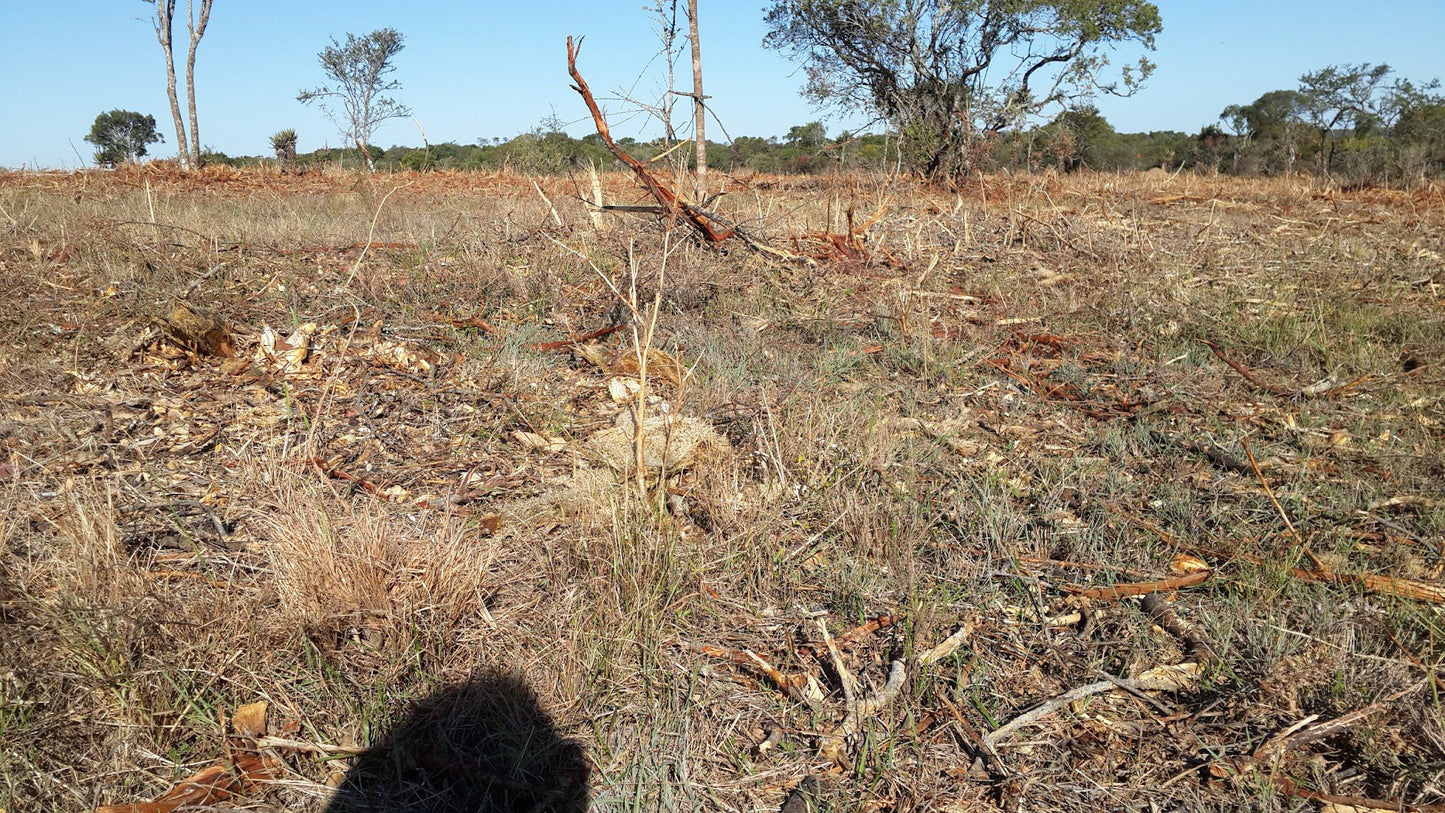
1161,453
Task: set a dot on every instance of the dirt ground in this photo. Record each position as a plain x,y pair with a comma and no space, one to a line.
1058,493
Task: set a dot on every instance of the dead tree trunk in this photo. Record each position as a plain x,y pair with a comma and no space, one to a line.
667,32
165,15
698,106
197,29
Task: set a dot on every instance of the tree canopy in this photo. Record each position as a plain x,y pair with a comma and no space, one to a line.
945,73
358,69
122,136
1381,125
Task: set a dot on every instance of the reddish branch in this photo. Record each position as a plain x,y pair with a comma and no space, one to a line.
338,249
321,467
564,344
670,200
1196,648
567,344
1119,591
1244,371
474,321
1324,389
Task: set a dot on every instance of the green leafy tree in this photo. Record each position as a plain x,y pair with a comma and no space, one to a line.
1270,127
358,69
1213,143
1341,95
1415,115
1423,123
1083,138
122,136
809,136
1269,115
946,74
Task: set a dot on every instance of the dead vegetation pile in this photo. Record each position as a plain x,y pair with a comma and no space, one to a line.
1069,493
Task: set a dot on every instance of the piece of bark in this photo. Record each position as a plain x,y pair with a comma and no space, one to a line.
199,331
1196,648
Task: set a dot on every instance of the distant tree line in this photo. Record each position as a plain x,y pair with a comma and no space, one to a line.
1355,123
1076,140
958,87
1395,139
1358,123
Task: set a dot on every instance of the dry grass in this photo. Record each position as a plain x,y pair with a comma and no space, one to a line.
1011,397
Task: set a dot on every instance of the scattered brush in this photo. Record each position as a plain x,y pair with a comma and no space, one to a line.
548,510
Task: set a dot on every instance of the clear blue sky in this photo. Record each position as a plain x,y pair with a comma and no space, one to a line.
484,69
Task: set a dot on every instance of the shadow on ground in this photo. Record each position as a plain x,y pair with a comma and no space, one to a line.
485,745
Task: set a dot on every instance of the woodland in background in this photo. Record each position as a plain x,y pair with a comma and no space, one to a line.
1271,136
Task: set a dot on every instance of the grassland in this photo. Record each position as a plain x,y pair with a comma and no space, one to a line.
992,403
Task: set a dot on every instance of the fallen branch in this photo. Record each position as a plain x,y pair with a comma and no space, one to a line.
849,683
1244,371
472,321
172,575
945,647
325,469
285,252
1307,731
1416,589
1355,803
858,633
713,227
831,744
1209,451
1320,389
1269,492
286,744
1196,648
800,686
987,757
567,344
1164,679
670,200
1118,591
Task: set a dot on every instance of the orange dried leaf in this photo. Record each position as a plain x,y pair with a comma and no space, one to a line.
214,783
491,523
1183,563
250,720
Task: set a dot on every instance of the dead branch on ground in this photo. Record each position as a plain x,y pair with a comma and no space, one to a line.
1118,591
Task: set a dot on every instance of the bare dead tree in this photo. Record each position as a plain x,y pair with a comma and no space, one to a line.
358,70
188,149
197,29
666,13
698,100
665,27
165,15
708,225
